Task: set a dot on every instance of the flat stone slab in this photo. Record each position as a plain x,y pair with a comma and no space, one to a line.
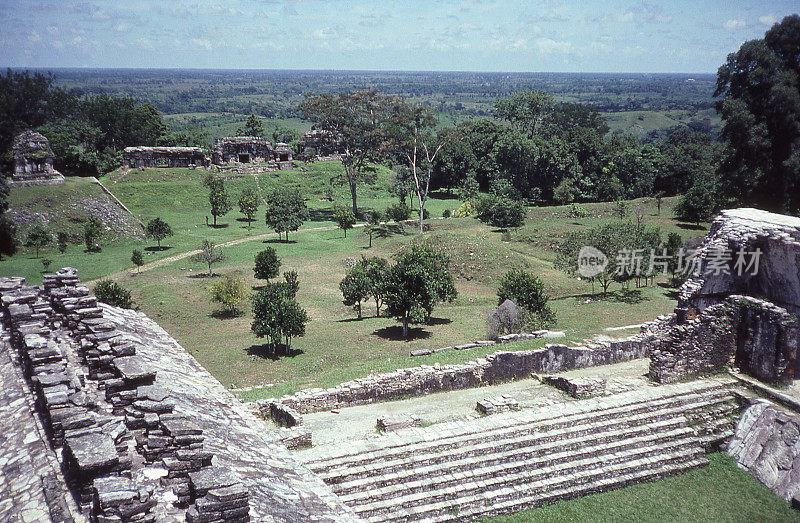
132,368
212,478
497,404
581,388
397,422
93,452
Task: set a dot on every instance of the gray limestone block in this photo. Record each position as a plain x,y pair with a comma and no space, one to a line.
211,478
179,426
132,368
92,452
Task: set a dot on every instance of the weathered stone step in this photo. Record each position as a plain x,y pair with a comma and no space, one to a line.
416,478
402,448
509,441
537,492
487,506
600,464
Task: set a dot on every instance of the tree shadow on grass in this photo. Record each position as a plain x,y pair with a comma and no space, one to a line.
275,240
386,230
441,194
690,226
395,333
438,321
158,249
200,275
629,296
219,225
268,351
226,314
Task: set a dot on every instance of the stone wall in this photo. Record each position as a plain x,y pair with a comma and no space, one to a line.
497,367
143,156
145,435
767,444
754,335
33,161
778,276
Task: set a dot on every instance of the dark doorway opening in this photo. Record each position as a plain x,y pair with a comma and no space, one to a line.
244,158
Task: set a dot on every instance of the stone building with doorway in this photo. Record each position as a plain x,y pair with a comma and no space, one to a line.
242,149
33,161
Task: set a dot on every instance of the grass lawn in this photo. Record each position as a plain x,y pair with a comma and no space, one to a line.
720,492
336,347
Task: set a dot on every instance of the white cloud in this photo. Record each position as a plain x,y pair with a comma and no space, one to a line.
326,33
202,42
768,20
122,28
550,46
34,37
51,29
734,24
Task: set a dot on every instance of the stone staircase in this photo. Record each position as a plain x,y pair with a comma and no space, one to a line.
508,462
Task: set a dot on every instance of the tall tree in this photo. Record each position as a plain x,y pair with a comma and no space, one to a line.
760,108
158,229
248,204
356,117
209,254
526,110
217,196
286,211
408,129
253,127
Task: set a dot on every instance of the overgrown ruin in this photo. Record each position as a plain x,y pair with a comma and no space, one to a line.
143,156
106,417
251,150
320,144
33,161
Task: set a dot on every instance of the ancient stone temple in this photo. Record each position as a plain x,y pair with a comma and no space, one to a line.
741,303
319,143
242,149
143,156
33,161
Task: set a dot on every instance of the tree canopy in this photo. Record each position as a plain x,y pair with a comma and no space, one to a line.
286,211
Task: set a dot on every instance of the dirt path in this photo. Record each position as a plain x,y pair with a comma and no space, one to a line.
183,255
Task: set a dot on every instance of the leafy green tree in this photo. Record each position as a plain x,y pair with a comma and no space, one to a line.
38,237
283,134
290,283
376,270
673,247
398,212
62,240
158,229
209,254
248,204
286,211
685,156
8,236
696,205
253,127
93,233
217,197
112,293
525,110
137,259
230,291
46,264
759,86
527,291
418,281
456,161
344,218
267,264
355,288
277,316
373,225
508,214
357,118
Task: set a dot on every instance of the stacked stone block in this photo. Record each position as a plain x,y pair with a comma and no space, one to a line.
218,496
497,404
398,422
580,388
282,414
295,438
57,330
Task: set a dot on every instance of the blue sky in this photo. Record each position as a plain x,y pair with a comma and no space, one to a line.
461,35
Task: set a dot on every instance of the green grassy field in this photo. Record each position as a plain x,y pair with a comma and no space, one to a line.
337,348
720,492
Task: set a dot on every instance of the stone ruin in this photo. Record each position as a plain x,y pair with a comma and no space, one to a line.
320,144
33,161
251,150
144,156
113,421
746,319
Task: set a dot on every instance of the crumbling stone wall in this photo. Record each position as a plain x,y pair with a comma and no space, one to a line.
101,409
767,444
497,367
777,279
754,335
142,156
319,143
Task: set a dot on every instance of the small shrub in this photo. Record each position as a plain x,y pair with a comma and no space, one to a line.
112,293
267,264
398,212
465,209
229,291
446,213
46,264
137,259
92,233
62,239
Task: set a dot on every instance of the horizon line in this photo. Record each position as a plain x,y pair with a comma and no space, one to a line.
313,70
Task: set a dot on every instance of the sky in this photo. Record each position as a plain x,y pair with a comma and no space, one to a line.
677,36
